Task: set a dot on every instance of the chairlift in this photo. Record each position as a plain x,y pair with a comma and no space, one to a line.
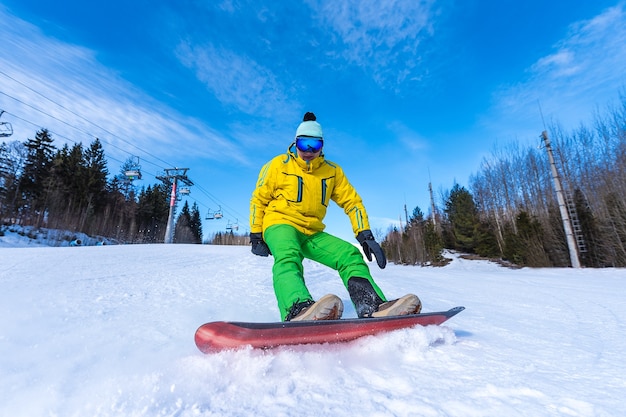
185,191
134,173
211,215
232,226
6,129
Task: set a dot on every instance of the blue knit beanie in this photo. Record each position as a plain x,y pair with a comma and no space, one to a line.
309,127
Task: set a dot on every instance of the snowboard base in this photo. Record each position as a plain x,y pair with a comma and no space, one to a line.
222,335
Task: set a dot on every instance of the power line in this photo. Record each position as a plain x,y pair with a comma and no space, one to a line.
73,127
143,151
230,210
77,115
51,131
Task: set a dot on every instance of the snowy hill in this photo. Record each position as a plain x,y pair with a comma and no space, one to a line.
27,236
108,331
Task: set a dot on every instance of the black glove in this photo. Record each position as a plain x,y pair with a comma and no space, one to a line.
259,247
366,239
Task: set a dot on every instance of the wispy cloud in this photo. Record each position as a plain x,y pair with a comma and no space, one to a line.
62,87
235,79
409,139
384,38
589,47
584,71
559,64
382,225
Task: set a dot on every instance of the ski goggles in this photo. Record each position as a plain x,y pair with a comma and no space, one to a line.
309,143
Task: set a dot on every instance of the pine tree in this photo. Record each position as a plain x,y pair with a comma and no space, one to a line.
65,185
196,224
152,213
95,180
126,185
12,157
182,230
433,244
462,216
526,246
33,181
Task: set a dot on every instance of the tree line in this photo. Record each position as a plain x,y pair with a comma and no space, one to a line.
510,209
68,188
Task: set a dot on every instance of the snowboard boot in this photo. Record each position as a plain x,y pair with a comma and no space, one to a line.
363,296
409,304
329,307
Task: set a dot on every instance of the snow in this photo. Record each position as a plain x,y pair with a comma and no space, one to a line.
108,331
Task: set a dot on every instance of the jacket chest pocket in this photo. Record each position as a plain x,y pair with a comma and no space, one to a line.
292,187
312,192
327,185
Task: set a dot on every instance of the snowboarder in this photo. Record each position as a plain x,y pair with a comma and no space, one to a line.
286,212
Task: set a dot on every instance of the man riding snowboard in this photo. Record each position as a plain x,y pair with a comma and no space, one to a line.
286,212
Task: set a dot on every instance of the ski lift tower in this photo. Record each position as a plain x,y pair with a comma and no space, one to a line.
173,175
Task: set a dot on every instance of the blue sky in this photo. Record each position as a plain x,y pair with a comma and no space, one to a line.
407,91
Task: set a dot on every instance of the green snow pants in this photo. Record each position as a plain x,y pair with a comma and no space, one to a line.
289,247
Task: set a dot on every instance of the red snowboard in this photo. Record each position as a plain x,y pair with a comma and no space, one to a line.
222,335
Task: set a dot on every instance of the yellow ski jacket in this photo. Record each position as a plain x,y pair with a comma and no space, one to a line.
296,192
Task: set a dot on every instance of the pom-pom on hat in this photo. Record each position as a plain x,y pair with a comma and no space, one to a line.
309,126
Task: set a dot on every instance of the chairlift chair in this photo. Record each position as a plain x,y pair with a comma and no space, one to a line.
185,191
133,174
6,129
218,214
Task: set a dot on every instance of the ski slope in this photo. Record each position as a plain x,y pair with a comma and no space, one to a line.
108,331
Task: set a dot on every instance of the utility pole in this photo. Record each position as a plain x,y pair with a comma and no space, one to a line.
406,216
433,210
173,175
567,225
